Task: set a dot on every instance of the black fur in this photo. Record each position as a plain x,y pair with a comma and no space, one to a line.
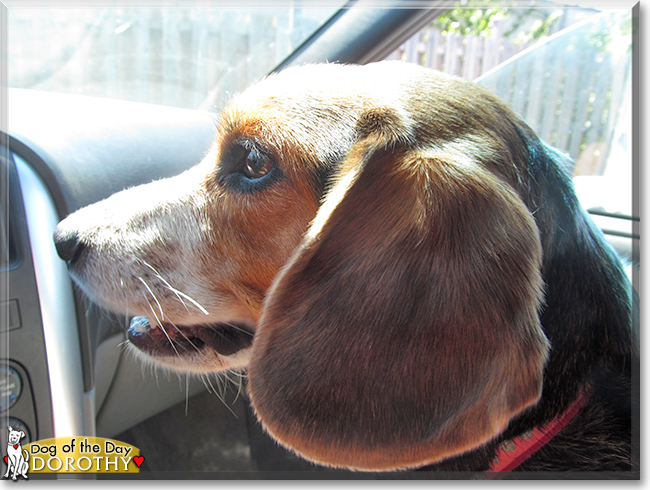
587,317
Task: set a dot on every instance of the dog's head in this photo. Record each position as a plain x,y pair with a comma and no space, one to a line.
366,225
15,435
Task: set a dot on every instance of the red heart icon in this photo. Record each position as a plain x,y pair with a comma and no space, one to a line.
138,460
15,446
6,460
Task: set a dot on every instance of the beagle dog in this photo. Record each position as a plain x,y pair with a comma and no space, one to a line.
399,263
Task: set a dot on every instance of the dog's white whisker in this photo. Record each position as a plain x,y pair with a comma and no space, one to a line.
225,375
191,300
162,314
237,383
187,392
203,380
240,386
126,315
233,326
174,290
207,378
158,320
221,383
171,342
220,396
185,337
167,285
147,264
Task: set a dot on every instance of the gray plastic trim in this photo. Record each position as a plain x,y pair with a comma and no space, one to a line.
71,407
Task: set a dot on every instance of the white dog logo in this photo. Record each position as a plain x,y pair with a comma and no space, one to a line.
17,458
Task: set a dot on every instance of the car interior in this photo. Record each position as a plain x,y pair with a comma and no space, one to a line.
65,368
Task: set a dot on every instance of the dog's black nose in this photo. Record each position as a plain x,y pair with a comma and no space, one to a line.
67,243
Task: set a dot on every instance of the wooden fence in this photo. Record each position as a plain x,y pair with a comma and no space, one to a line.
570,89
466,56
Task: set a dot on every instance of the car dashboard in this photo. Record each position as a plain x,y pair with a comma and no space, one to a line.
64,355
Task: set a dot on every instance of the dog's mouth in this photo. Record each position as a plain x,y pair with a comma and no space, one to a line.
169,339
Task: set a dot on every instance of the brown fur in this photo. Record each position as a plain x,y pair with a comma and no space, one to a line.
402,269
457,324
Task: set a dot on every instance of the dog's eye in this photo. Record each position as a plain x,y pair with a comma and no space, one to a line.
248,168
257,165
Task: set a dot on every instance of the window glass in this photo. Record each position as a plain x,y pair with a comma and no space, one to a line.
567,72
575,91
183,57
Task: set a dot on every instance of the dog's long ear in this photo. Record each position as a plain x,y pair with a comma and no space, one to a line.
405,328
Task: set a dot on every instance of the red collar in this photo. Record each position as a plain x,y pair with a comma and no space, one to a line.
514,452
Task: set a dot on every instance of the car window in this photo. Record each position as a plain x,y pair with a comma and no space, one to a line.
565,69
568,73
183,57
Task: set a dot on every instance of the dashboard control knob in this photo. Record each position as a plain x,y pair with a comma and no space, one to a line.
10,387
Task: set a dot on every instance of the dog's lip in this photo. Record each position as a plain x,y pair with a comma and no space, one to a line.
178,340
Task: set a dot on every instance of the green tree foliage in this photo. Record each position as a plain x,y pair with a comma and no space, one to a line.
477,17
